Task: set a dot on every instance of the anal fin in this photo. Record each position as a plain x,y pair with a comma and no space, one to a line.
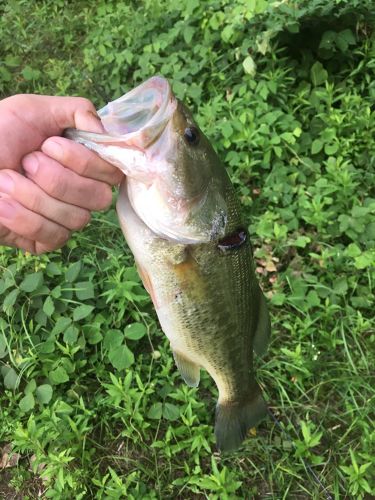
189,371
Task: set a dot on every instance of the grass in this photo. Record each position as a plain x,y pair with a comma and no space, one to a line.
90,398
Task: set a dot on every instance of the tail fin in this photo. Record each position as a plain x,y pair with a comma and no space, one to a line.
235,418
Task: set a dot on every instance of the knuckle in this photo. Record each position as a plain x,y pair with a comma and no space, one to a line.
56,187
82,163
36,228
85,103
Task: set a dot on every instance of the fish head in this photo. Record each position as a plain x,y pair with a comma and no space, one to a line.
174,179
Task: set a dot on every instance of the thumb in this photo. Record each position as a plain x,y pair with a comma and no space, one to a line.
75,112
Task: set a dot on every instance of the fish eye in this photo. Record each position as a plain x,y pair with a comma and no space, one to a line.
191,136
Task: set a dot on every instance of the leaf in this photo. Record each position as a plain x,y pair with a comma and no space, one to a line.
84,290
331,149
30,74
171,412
44,394
188,34
30,387
58,376
121,357
11,379
249,66
318,74
316,146
61,325
135,331
71,274
48,306
155,411
353,250
3,346
301,241
10,299
113,339
27,403
340,286
52,269
31,282
71,335
82,312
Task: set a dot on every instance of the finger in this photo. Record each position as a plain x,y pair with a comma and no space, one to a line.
11,239
32,197
76,112
31,226
81,160
65,185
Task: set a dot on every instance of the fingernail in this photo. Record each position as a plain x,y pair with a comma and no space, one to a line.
6,183
53,149
6,209
30,164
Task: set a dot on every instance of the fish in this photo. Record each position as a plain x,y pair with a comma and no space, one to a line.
181,218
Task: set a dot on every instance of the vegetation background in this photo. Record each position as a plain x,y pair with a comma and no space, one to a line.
91,403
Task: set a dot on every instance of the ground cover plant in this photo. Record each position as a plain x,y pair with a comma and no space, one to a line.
91,404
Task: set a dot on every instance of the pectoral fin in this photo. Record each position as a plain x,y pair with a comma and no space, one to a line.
263,330
189,371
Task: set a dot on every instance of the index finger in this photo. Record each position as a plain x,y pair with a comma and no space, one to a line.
81,160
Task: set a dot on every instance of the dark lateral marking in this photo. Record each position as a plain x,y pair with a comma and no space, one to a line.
233,240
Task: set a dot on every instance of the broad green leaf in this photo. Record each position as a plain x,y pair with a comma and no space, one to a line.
61,325
121,357
84,290
71,274
31,282
3,346
249,66
188,33
53,269
318,74
44,394
135,331
30,387
316,146
58,376
11,379
71,335
10,299
82,312
170,411
27,403
113,339
155,411
331,149
48,306
47,347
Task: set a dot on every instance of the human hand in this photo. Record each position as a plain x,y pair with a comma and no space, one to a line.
63,180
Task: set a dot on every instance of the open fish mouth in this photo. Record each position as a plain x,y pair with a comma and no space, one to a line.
134,120
140,115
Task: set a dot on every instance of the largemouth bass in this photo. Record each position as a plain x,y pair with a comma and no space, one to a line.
181,218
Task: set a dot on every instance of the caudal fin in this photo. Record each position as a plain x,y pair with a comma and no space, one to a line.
235,418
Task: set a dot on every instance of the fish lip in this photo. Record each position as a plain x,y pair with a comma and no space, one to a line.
138,118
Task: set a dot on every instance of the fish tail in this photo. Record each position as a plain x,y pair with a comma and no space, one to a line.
235,418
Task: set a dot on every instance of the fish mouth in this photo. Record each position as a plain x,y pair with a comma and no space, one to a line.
134,120
138,118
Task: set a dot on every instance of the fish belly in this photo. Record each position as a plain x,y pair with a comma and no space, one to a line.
203,300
